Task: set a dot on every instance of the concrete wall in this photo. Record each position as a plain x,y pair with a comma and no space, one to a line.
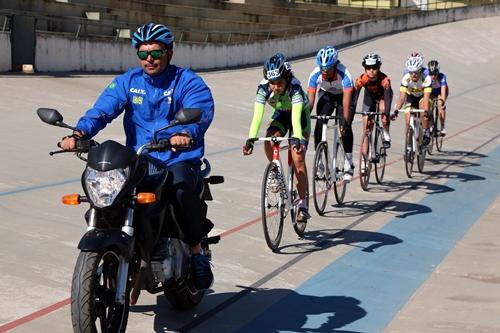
56,53
5,58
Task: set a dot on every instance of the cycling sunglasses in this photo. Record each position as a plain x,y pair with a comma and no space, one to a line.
367,67
155,54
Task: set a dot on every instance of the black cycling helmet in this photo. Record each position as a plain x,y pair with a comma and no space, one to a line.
372,59
433,67
152,32
277,67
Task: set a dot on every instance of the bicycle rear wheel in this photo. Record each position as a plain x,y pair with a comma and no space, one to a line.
409,152
433,130
380,156
321,177
364,163
299,227
339,186
421,151
272,205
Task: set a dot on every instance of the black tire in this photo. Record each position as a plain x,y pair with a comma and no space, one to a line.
409,153
182,297
438,126
433,133
421,151
321,178
272,206
380,156
93,307
299,227
364,159
339,186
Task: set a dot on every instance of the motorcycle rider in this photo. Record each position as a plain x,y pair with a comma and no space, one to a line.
151,95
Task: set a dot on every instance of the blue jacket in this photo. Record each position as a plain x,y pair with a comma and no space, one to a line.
151,103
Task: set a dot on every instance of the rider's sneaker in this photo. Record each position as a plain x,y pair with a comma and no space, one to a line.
387,139
443,131
202,273
362,167
321,170
348,171
303,215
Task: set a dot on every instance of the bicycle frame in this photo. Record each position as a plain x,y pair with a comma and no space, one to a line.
333,148
285,185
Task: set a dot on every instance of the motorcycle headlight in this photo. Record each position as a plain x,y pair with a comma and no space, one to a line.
103,186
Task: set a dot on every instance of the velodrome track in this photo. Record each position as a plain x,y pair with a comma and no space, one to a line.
411,255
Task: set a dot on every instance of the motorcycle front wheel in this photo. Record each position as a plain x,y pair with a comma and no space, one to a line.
93,290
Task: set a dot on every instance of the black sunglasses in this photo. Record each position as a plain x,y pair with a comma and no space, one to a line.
372,67
155,54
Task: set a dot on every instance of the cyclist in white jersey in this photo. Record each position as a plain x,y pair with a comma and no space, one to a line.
415,91
335,91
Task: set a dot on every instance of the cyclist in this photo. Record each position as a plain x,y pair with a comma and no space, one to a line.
377,89
415,91
150,96
283,92
335,93
439,92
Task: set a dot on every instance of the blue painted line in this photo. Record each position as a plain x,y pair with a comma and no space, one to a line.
69,181
362,291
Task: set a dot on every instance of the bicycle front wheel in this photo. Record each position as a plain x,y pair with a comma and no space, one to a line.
299,227
272,205
433,133
421,151
321,177
380,156
409,152
364,163
339,185
438,126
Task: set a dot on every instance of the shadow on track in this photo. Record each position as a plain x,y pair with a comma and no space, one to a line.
400,209
288,311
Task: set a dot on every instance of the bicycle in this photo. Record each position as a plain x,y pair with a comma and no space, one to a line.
328,170
376,153
279,197
435,127
414,142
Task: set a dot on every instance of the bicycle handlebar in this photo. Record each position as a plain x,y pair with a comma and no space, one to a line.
326,117
411,110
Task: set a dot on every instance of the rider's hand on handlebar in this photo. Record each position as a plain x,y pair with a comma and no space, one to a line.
180,140
69,141
299,145
248,147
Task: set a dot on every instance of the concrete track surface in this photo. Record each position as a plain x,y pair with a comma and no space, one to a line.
410,255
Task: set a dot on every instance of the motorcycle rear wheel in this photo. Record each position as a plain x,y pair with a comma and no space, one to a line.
93,306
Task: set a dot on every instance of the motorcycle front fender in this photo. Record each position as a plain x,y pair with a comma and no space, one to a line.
97,240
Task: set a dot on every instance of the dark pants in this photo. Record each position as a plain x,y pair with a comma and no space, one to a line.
183,188
327,103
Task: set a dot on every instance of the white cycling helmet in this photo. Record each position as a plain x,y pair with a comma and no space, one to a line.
415,62
372,59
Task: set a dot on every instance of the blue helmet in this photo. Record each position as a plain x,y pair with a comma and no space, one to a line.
277,67
326,57
152,32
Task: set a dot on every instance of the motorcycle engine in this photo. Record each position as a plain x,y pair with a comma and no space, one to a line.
170,260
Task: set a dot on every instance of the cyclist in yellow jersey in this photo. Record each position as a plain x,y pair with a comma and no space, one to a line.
284,93
415,91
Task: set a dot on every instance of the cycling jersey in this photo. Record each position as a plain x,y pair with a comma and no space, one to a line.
416,89
151,103
376,87
438,83
342,80
293,100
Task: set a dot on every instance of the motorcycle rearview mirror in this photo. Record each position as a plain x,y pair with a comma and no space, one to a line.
188,116
52,117
182,117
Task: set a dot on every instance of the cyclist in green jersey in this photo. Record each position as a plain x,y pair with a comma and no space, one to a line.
284,93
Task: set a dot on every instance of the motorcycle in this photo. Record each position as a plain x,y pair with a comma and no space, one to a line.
133,240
